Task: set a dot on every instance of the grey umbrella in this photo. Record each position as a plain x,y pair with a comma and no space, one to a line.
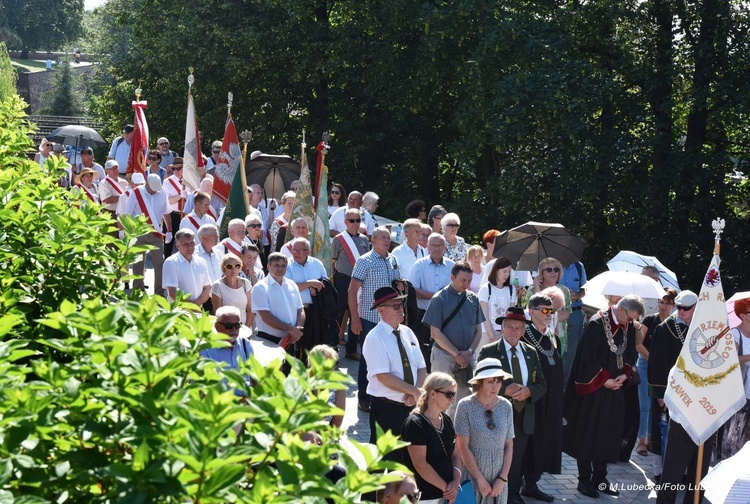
526,245
75,134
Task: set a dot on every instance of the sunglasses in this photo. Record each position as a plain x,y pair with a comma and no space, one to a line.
490,419
151,158
353,220
231,325
453,225
395,306
232,266
216,152
449,395
254,226
413,497
550,270
335,192
163,143
684,308
546,311
177,168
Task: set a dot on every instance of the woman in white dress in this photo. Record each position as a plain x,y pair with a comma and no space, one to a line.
495,297
233,290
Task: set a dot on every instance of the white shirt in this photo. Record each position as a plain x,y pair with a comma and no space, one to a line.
524,277
282,300
120,153
381,352
337,220
171,191
498,300
313,269
107,191
158,202
188,277
406,257
521,361
185,223
368,220
213,261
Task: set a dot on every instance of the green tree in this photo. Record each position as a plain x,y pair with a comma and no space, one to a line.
63,99
7,75
42,24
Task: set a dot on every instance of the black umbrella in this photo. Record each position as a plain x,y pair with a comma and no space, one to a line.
274,173
75,134
527,244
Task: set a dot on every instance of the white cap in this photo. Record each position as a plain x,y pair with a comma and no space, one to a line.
161,140
110,164
137,179
154,182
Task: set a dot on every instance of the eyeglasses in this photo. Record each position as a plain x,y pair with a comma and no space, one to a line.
395,306
353,220
216,151
177,168
230,266
335,192
413,497
546,311
231,325
254,226
163,143
490,419
550,270
684,308
449,395
453,225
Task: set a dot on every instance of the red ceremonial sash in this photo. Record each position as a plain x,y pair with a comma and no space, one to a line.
212,213
181,202
144,210
193,222
347,246
114,185
86,192
232,249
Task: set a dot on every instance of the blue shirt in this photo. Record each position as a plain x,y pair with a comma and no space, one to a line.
230,356
573,280
430,276
313,269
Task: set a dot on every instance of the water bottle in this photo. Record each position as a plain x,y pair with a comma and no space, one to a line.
398,233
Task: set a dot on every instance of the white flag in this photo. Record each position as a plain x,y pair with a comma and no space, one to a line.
705,386
192,157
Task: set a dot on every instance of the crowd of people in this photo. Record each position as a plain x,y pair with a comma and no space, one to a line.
490,373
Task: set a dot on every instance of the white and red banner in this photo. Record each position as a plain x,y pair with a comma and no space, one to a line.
193,166
139,146
705,385
228,164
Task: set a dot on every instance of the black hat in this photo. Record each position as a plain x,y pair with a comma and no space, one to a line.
128,128
383,294
513,313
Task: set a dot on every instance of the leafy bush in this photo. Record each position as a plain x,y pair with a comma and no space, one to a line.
104,398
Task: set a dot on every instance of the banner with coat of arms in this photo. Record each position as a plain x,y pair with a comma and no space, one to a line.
705,385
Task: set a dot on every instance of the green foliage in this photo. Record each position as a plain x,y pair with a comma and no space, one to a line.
7,75
106,399
63,97
42,24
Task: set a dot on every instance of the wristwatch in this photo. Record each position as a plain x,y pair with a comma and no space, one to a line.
471,351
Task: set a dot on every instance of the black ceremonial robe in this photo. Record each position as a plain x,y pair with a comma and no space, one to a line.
595,414
546,443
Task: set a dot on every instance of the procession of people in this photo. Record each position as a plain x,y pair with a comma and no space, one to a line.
490,370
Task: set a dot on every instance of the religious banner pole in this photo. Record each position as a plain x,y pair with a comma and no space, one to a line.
323,147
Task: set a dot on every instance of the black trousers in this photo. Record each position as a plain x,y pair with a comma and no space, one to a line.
593,472
681,454
390,416
169,248
632,422
519,449
424,337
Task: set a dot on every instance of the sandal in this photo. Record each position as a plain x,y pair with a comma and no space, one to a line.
641,449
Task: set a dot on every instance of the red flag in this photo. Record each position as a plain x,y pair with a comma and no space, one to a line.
228,164
139,147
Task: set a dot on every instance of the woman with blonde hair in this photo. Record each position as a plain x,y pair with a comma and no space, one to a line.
550,275
475,257
433,456
233,290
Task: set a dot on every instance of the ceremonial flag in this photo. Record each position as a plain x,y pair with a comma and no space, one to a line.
303,200
321,241
193,167
228,163
139,145
322,149
705,386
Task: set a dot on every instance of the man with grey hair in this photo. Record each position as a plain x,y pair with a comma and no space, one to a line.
336,223
300,229
185,272
212,161
369,205
208,237
409,251
595,395
167,156
233,242
424,235
373,270
651,305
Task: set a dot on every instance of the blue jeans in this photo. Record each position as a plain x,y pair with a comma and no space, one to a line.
644,429
367,326
575,328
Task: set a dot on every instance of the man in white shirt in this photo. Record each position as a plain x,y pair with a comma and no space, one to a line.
233,243
337,222
369,205
409,251
120,150
174,187
199,216
112,187
186,272
300,229
257,206
150,201
208,236
395,366
278,304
